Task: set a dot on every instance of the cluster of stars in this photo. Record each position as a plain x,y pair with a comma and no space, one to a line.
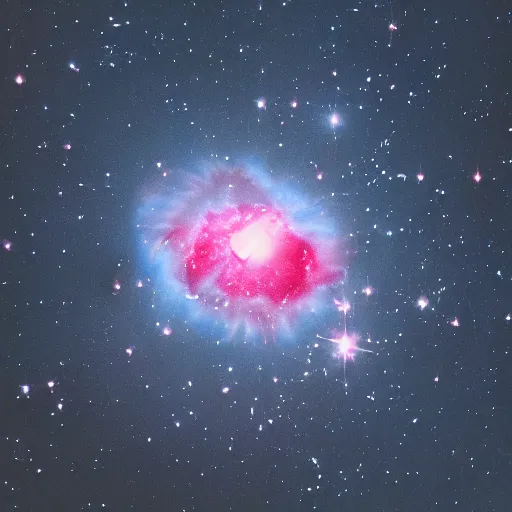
26,390
381,184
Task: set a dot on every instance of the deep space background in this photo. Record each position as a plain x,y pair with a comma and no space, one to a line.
102,103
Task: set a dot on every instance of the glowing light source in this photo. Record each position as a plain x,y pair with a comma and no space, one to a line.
422,303
346,345
368,290
236,251
257,240
342,306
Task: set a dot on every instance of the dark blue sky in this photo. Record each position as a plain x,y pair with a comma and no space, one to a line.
422,422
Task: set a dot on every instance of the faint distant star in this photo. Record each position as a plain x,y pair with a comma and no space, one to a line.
392,28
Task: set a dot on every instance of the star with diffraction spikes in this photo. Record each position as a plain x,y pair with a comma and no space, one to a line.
346,348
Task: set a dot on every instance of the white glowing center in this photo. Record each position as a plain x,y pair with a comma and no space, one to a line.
257,240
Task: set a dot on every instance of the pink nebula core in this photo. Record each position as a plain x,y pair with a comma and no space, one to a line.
241,254
250,252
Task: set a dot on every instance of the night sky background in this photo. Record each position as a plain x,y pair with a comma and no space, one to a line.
100,102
